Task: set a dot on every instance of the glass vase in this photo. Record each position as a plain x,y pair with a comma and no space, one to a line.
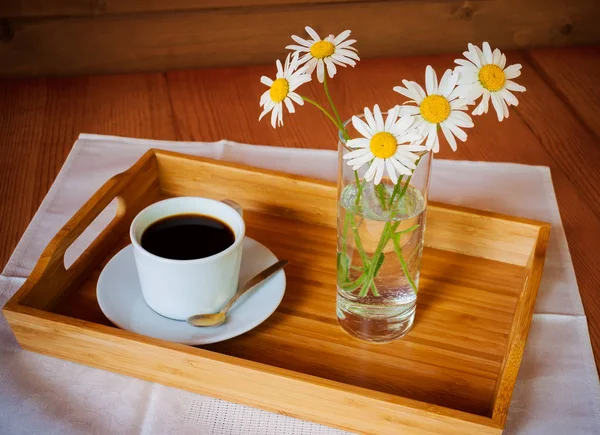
380,233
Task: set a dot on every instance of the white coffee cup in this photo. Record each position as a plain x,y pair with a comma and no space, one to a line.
178,289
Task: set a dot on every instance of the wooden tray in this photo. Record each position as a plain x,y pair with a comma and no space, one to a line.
454,373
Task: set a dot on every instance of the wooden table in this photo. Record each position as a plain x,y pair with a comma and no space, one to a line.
557,124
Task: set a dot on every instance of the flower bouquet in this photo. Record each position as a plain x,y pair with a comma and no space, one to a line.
384,168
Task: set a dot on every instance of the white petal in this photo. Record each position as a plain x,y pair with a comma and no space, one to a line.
465,63
456,131
513,71
274,115
391,118
265,97
402,158
409,110
473,56
311,65
339,38
447,83
483,105
289,105
320,71
357,153
487,53
460,119
402,170
371,171
414,147
359,143
305,58
502,62
362,127
279,69
512,86
408,93
266,81
390,170
380,170
346,44
359,161
341,60
268,107
296,81
314,35
509,97
301,41
379,124
347,53
459,104
409,137
431,83
496,56
417,89
431,136
498,105
504,107
296,98
370,120
449,137
297,48
331,69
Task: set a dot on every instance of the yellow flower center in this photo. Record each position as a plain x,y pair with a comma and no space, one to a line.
383,145
322,49
435,109
492,77
279,90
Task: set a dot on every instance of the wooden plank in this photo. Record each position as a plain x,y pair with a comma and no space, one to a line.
57,8
235,36
205,372
41,119
573,76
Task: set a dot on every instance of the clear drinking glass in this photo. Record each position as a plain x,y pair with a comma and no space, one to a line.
380,242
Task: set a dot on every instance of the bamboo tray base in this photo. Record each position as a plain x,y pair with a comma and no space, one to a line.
453,373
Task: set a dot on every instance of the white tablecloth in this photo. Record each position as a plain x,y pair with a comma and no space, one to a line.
557,391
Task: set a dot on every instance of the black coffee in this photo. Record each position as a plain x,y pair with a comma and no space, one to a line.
187,237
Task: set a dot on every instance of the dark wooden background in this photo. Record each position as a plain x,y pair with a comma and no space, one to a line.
65,37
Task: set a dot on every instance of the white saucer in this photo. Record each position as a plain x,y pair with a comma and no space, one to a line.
120,299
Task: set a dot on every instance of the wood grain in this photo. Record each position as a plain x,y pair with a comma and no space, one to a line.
573,76
253,35
470,368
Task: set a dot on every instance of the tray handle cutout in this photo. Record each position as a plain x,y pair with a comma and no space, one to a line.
102,225
50,279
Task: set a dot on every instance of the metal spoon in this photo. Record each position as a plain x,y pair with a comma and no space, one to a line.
217,319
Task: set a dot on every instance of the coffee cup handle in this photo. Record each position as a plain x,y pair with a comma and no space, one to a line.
234,205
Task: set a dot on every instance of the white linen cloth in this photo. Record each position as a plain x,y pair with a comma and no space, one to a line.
557,391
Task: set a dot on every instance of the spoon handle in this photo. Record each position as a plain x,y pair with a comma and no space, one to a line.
252,283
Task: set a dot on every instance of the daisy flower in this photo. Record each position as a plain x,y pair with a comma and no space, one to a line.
281,90
325,53
440,106
484,73
387,145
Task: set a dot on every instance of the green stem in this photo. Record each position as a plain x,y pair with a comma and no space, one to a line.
403,263
322,109
395,191
337,115
359,188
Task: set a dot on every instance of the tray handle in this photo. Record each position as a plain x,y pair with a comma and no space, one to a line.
130,188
